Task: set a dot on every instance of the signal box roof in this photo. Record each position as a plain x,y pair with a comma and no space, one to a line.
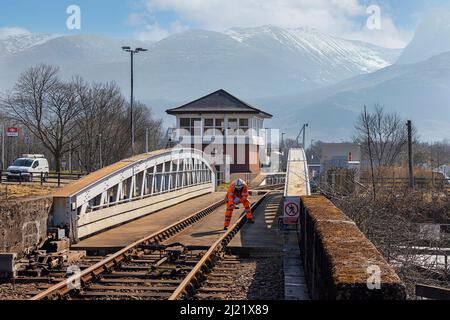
218,102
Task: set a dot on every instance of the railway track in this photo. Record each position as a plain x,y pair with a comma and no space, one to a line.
223,275
146,269
269,187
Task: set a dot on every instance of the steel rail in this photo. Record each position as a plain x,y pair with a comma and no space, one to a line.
197,275
64,287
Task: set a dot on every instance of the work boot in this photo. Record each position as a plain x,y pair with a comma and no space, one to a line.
225,228
251,221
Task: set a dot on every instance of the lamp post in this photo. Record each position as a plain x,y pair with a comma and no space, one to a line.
304,136
132,53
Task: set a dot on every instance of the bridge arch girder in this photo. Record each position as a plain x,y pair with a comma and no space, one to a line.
113,190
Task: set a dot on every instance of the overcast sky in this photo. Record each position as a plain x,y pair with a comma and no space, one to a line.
156,19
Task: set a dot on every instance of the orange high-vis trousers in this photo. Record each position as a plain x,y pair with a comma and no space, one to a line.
230,207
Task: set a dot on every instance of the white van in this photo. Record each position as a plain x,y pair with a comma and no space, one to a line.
28,167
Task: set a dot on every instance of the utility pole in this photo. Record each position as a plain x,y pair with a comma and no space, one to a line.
410,155
101,153
3,148
70,158
304,136
132,104
146,140
283,152
132,53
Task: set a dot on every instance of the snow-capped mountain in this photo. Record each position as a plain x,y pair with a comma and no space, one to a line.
20,42
258,62
419,92
432,37
321,57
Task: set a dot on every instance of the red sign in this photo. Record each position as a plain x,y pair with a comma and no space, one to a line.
291,210
12,132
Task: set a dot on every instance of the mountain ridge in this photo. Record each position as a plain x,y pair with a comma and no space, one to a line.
196,61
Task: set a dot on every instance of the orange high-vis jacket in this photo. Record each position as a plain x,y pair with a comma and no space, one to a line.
231,192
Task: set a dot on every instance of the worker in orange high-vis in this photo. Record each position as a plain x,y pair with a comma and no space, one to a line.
237,193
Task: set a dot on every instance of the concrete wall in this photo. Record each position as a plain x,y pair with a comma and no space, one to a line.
23,224
339,260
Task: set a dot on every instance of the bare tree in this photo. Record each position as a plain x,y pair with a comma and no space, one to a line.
145,122
101,114
393,224
77,117
105,119
45,106
383,137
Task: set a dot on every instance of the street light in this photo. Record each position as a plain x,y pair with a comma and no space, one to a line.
304,136
132,53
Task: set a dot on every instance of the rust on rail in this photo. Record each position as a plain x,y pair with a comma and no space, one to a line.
62,288
197,275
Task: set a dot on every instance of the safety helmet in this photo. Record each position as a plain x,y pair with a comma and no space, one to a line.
239,185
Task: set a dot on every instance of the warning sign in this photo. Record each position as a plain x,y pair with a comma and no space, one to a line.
291,210
12,132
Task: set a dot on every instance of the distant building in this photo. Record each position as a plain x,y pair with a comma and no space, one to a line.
336,156
225,128
340,156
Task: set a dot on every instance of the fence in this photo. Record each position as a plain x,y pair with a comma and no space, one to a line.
57,178
420,183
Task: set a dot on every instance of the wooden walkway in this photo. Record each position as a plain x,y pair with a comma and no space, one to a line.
262,237
204,233
297,180
119,237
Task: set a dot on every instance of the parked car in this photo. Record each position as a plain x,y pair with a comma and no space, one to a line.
28,167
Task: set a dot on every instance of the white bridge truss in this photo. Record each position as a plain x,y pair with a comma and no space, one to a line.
132,188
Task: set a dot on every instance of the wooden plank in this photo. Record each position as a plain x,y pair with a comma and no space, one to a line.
124,274
124,294
97,287
37,279
206,296
222,269
216,274
151,281
214,290
222,282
